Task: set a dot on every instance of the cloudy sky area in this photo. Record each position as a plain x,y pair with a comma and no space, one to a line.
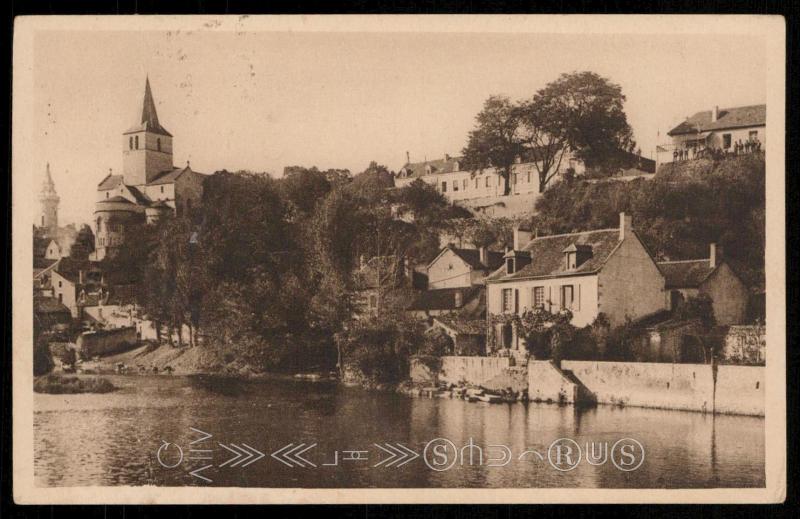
261,101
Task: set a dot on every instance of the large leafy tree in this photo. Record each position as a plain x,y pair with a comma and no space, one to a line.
83,244
582,112
495,142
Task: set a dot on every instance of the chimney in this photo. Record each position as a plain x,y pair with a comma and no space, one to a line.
714,255
408,158
483,254
446,157
715,114
522,236
625,225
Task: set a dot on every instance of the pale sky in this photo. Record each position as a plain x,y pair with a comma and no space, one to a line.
264,100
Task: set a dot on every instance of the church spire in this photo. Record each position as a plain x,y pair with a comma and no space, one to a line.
49,179
149,114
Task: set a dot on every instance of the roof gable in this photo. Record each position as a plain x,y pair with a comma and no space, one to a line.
738,117
685,274
110,182
547,255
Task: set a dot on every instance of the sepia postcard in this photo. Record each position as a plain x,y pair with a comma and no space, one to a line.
398,259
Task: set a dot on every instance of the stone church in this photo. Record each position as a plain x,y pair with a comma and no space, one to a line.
149,187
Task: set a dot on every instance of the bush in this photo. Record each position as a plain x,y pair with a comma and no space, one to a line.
42,360
59,385
380,349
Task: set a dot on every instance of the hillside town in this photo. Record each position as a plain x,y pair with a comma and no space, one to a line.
520,253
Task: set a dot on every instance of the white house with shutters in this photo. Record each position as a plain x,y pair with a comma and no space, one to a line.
605,271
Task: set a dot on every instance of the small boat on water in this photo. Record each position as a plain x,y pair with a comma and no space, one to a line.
489,398
308,376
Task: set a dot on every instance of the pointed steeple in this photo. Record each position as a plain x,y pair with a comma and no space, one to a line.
49,179
149,115
149,121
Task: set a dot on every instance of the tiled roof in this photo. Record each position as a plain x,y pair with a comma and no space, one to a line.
110,182
463,326
547,255
48,305
739,117
437,166
444,298
685,274
140,197
70,268
117,199
473,258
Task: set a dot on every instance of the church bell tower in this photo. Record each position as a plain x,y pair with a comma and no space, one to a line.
48,198
147,146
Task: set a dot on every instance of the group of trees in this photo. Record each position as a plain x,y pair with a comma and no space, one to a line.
266,265
677,214
580,113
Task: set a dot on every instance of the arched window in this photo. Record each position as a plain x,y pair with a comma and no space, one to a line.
136,142
158,143
99,220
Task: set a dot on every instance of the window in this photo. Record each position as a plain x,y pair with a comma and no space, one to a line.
158,143
464,184
373,301
514,179
455,185
476,182
529,177
59,284
538,297
162,189
487,181
60,298
136,142
510,266
508,299
753,135
567,296
726,140
444,187
571,260
106,194
130,143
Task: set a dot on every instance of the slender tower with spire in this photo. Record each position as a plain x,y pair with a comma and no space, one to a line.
48,198
147,146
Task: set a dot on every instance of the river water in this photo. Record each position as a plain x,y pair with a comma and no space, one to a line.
114,439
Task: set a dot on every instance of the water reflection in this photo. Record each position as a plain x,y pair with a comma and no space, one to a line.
112,439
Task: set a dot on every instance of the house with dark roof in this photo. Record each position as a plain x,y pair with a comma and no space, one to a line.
149,187
607,271
710,276
718,128
467,302
48,312
459,267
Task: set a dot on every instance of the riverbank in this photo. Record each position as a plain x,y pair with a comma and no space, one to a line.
64,385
